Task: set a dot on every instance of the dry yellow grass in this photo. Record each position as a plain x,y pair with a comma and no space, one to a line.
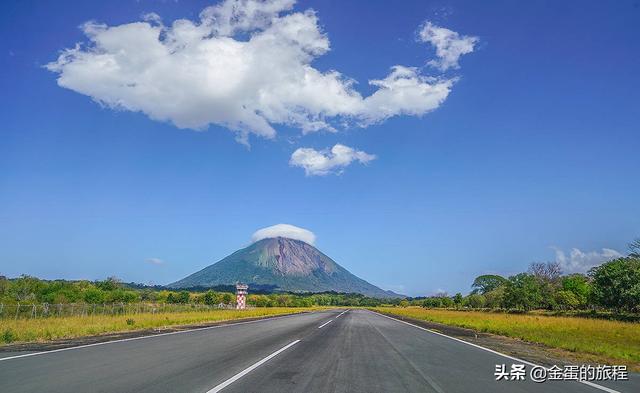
610,340
46,329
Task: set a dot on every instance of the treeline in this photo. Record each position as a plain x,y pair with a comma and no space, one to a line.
318,299
28,289
612,286
31,290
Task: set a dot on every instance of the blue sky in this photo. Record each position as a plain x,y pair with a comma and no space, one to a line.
532,153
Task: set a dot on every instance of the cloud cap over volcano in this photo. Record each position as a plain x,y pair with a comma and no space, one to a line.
284,230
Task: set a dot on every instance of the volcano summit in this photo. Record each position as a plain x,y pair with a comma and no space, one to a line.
286,265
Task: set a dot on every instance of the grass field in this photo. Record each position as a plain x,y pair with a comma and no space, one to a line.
46,329
607,340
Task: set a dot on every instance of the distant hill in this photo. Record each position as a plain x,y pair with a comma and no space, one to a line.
283,264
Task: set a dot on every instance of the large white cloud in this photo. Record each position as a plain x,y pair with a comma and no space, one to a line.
580,262
244,65
284,230
324,162
449,45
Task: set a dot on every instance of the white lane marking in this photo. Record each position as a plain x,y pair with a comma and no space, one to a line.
250,368
151,336
593,385
342,313
325,324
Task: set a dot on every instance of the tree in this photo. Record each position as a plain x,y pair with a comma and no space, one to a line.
227,298
121,296
446,302
522,292
476,301
579,285
183,297
26,288
566,300
171,298
548,276
210,298
438,301
634,248
616,284
432,302
94,295
4,286
457,299
259,300
495,298
487,283
110,284
546,272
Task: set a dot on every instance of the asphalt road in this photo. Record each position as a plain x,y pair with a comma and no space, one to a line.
332,351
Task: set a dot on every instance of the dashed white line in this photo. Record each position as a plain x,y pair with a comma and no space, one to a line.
325,324
250,368
331,320
593,385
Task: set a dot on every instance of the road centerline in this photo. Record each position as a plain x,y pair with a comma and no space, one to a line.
251,368
325,324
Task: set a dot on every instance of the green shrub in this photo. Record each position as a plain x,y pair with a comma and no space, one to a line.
8,336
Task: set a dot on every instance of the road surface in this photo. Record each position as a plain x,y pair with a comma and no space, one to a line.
330,351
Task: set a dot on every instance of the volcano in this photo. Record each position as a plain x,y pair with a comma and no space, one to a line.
283,264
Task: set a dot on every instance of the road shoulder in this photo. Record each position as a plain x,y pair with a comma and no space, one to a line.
26,347
532,352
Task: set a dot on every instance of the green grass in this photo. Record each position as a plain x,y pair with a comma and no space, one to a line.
605,340
46,329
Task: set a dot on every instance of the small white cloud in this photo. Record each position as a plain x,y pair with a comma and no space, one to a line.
324,162
155,261
284,230
244,65
450,46
580,262
397,288
440,292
